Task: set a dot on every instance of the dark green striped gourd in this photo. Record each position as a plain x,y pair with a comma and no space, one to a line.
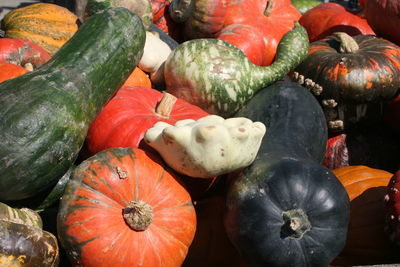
45,114
22,240
219,78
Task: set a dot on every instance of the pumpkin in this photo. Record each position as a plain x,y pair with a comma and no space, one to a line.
216,76
162,19
123,207
367,243
131,112
23,242
9,71
327,18
22,52
138,78
71,88
49,26
285,209
211,246
349,73
254,26
383,17
392,211
337,153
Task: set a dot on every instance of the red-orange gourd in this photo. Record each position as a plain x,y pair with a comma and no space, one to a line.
9,71
327,18
138,78
367,243
123,208
131,112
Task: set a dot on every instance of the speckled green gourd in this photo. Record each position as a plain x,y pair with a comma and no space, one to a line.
219,78
304,5
45,114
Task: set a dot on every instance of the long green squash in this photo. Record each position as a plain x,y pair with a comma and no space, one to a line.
45,114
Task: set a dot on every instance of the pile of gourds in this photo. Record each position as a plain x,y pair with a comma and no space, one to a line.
200,133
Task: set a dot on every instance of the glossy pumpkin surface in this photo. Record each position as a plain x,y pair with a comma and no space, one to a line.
122,207
9,71
367,243
130,113
47,25
327,18
348,73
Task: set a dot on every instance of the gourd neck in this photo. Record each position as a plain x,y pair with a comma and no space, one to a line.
138,215
291,51
347,43
295,224
165,106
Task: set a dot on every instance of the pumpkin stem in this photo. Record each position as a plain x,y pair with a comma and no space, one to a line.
138,215
295,223
166,105
268,9
347,43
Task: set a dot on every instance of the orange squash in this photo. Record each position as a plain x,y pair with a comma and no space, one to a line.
47,25
9,71
367,243
123,207
138,78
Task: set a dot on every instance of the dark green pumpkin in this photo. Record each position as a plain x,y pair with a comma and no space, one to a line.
350,75
286,209
22,240
45,114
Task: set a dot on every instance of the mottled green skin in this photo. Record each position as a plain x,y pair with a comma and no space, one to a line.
45,114
142,8
219,78
304,5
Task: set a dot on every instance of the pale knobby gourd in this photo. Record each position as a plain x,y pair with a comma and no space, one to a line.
208,147
155,53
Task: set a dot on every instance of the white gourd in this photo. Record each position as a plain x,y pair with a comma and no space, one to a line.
208,147
155,53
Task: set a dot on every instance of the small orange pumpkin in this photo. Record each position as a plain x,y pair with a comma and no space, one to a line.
367,242
123,207
138,78
9,71
47,25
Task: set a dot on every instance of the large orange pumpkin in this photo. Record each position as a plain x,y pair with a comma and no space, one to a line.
123,208
47,25
367,242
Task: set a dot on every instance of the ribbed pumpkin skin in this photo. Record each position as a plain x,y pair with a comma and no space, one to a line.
367,243
22,240
327,18
45,114
47,25
90,223
129,114
369,74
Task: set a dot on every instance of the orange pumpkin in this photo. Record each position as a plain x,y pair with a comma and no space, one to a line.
9,71
123,208
138,78
47,25
367,242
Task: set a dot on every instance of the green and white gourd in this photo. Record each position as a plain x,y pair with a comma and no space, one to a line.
219,78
